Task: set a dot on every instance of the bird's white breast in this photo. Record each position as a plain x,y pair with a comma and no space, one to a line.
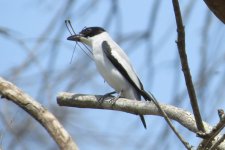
109,72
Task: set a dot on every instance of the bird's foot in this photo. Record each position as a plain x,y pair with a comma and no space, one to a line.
114,99
101,99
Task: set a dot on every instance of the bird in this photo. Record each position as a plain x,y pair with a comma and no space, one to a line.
113,64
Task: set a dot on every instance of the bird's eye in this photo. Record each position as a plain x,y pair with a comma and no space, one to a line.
88,30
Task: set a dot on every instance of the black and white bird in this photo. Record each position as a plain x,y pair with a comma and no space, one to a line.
113,64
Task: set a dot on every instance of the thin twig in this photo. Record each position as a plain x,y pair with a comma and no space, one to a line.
185,66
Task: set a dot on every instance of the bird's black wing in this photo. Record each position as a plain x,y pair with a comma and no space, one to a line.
108,52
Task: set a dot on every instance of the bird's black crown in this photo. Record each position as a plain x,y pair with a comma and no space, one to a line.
91,31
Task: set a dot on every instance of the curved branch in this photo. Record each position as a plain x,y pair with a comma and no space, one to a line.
38,112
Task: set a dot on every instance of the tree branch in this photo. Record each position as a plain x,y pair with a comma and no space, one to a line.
183,117
38,112
185,66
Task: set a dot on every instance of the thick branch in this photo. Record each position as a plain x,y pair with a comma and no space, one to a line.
38,112
185,66
183,117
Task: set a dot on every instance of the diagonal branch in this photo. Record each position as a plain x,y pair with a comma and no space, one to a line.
38,112
185,66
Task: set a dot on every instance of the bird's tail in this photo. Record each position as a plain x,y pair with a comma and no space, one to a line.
147,96
137,96
143,121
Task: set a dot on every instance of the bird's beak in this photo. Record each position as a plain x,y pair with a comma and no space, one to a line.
77,37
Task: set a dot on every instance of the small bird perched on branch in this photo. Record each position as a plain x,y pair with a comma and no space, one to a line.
113,64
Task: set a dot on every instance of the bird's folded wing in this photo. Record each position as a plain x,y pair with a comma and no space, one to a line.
120,60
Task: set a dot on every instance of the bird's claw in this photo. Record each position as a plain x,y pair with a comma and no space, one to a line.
101,99
113,100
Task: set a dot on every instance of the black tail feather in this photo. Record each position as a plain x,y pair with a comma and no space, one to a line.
146,95
143,121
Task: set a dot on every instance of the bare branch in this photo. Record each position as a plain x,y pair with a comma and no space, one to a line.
185,66
38,112
185,118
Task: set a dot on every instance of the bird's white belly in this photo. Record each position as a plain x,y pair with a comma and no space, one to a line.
112,76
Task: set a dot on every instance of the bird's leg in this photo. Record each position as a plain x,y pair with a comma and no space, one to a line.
113,100
101,99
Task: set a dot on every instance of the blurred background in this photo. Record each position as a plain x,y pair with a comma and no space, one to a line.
35,55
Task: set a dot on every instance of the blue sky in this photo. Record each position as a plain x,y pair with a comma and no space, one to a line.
155,60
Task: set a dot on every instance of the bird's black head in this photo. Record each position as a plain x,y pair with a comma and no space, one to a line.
91,31
85,34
